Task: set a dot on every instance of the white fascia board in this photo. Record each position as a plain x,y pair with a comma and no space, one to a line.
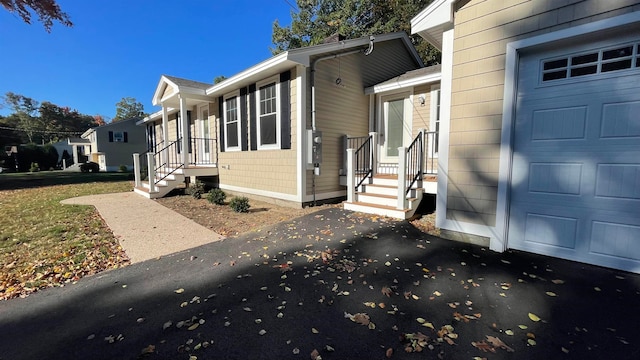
263,67
153,117
381,88
87,133
437,13
430,22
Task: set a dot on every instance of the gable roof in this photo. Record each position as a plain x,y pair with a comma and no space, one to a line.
179,85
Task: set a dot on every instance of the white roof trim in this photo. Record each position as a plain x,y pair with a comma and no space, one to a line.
256,69
384,87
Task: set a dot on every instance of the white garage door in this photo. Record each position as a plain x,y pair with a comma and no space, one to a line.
575,190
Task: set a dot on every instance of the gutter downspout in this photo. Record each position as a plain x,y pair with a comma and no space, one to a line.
315,62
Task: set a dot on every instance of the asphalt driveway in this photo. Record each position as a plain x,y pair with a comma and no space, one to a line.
337,285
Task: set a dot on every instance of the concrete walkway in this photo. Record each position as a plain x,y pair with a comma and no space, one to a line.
146,230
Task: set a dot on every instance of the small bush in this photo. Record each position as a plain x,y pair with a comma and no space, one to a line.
34,167
240,204
123,168
216,196
196,189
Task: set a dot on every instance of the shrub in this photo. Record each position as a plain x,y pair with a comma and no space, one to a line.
34,167
216,196
196,189
123,168
240,204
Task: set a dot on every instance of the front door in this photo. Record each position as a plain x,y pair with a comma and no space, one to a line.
396,125
204,143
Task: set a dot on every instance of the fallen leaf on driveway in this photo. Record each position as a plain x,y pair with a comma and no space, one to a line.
496,342
534,317
179,291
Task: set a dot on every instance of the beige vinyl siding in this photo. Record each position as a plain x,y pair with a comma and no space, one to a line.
340,110
263,170
421,113
482,30
168,90
422,120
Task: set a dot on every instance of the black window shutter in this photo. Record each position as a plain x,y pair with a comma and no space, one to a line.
126,138
110,136
253,134
285,110
244,128
221,122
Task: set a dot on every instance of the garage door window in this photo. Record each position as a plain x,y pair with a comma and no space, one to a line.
601,61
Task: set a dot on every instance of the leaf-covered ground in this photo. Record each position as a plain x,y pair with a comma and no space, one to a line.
44,243
334,285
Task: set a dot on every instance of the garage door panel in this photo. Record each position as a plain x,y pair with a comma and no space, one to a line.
559,124
618,181
615,239
621,120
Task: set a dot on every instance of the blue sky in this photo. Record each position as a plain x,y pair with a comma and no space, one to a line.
120,48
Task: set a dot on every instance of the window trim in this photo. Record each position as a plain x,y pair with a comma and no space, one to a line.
226,97
275,80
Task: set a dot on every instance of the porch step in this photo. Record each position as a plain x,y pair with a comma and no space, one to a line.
377,209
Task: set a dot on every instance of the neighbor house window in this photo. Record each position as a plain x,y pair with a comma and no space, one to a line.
117,136
268,126
232,122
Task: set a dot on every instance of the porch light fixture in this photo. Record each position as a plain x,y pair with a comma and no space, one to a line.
422,99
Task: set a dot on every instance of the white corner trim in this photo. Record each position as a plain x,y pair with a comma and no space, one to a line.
509,107
301,121
445,126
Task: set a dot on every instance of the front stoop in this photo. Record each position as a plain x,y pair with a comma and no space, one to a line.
380,197
163,187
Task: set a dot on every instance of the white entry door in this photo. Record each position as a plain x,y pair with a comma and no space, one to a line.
396,125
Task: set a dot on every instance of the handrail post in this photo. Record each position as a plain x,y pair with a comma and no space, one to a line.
421,157
402,177
374,153
351,175
151,168
136,170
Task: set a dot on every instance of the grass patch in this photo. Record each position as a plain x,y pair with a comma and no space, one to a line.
44,243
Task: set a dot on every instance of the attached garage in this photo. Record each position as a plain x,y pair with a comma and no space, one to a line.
575,172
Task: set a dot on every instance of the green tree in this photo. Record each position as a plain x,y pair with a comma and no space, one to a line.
47,11
128,108
25,109
316,20
219,79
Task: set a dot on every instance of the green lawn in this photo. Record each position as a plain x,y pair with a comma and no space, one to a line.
44,243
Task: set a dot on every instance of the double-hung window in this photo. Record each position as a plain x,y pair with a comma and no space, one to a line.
268,113
232,121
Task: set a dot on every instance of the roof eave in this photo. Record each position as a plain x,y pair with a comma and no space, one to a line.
401,84
431,22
